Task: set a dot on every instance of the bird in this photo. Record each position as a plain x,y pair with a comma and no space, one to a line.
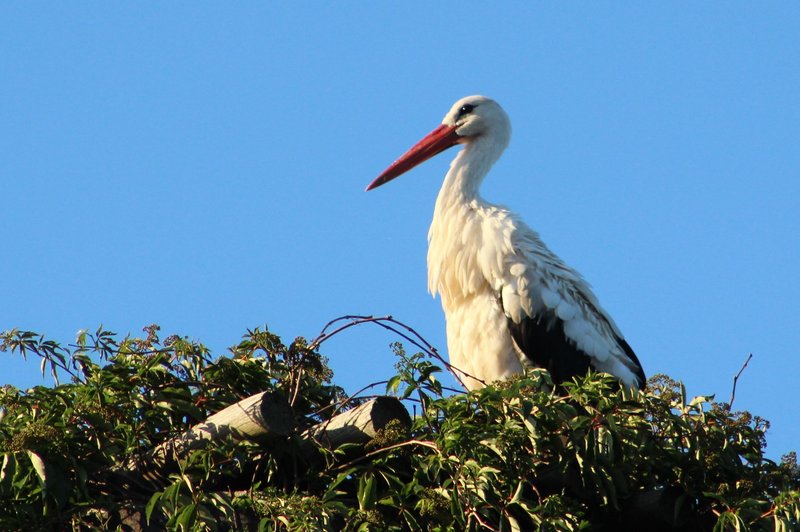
509,302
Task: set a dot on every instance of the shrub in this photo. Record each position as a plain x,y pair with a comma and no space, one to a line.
520,454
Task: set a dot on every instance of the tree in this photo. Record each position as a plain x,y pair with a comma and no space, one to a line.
108,449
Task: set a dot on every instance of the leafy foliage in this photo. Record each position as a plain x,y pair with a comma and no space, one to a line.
521,454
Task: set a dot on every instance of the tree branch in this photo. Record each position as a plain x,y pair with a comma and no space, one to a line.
393,325
735,379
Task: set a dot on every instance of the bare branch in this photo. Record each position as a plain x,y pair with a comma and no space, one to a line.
736,378
324,335
399,328
418,443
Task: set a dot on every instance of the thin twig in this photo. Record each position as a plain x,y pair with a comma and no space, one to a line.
423,443
395,326
735,379
428,348
340,404
324,335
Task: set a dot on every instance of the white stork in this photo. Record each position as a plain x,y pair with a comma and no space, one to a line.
509,301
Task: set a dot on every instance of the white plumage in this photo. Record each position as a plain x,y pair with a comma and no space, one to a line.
508,300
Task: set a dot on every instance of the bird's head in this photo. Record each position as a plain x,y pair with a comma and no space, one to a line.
474,119
478,116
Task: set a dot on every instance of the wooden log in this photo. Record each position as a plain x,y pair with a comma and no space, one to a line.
360,424
261,418
257,418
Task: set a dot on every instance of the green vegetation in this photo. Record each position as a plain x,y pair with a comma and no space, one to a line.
519,455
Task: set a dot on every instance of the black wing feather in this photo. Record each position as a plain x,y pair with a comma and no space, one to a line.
640,378
542,340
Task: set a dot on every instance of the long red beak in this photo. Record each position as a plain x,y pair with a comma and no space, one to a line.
436,141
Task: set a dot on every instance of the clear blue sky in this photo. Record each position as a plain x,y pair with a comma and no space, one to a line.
202,166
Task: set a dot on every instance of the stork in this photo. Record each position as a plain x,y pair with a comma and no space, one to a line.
509,301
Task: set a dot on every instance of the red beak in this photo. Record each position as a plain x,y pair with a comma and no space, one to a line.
436,141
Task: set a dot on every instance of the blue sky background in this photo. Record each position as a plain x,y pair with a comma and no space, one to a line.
202,166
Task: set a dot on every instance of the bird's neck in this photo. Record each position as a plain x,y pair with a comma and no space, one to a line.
463,180
456,227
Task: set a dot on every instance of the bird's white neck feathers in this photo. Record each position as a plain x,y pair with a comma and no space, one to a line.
457,245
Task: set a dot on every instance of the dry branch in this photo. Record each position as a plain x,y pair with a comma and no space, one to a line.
397,327
736,379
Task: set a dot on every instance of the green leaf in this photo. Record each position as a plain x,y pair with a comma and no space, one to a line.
38,466
7,472
186,517
393,384
151,504
366,492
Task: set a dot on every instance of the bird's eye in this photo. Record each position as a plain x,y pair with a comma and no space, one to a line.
466,109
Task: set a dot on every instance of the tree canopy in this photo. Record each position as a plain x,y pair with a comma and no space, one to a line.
517,455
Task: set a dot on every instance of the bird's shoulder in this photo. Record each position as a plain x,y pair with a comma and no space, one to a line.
543,284
531,279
